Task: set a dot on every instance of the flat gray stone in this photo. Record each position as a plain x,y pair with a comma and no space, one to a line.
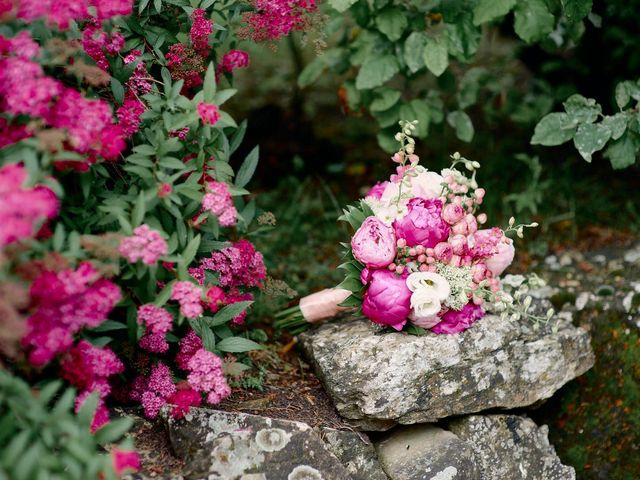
356,453
511,447
377,378
220,445
426,452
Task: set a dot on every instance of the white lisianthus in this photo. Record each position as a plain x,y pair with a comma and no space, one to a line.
429,281
424,322
429,291
425,302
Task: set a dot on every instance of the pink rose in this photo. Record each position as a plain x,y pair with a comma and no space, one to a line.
455,321
452,213
423,225
458,244
374,244
387,300
365,275
377,190
485,242
499,262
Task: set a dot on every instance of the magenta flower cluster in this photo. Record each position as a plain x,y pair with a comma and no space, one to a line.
208,112
26,90
65,302
22,210
60,13
88,368
98,44
218,201
274,19
239,265
157,322
233,60
201,28
206,376
145,244
189,296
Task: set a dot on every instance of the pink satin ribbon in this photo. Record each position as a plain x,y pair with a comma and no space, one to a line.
324,304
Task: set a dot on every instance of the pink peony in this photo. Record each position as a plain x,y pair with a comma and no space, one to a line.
387,301
377,190
374,244
499,262
485,242
455,321
423,225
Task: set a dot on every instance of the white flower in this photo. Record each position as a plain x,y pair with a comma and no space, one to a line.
513,280
386,210
425,302
429,281
426,184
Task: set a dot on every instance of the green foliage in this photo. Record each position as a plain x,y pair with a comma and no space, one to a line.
412,59
619,132
41,437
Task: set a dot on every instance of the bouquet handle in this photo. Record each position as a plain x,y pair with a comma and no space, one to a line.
312,309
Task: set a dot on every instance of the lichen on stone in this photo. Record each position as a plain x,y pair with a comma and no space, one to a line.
304,472
272,439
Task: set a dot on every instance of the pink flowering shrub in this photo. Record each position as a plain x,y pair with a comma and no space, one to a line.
120,191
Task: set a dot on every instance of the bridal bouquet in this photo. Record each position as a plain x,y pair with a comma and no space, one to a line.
421,256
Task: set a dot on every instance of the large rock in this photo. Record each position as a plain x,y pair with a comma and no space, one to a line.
356,453
426,452
220,445
511,447
378,379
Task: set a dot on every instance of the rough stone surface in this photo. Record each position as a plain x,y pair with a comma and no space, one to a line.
426,452
356,453
378,379
220,445
511,447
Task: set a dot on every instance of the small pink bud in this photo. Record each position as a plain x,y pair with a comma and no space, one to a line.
480,192
422,258
431,260
448,179
430,252
482,218
477,300
469,202
457,201
463,189
424,268
401,243
420,249
432,268
412,252
455,261
399,269
460,228
478,201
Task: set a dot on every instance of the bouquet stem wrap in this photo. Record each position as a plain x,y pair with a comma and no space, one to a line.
312,309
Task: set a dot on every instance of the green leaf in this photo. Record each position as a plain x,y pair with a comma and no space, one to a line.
311,72
223,95
581,109
209,87
165,293
88,409
414,51
233,369
139,210
487,10
590,138
190,252
341,5
412,329
109,326
616,123
113,430
229,312
422,113
376,70
385,98
392,22
622,152
237,345
248,168
436,55
533,21
118,90
625,91
463,125
554,129
576,10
